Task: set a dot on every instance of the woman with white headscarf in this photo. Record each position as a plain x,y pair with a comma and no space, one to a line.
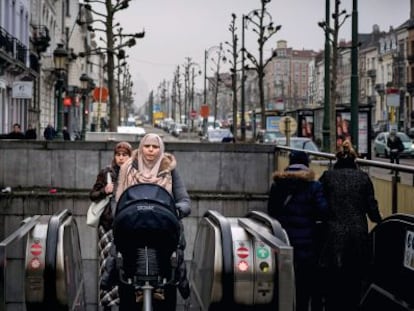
151,164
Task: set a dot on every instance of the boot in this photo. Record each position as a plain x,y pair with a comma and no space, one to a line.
181,275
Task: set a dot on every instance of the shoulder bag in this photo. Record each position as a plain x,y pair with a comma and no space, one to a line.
95,211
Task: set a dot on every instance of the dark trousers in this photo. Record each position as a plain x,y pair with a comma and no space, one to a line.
344,289
306,286
395,157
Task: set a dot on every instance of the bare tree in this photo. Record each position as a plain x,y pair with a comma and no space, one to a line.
262,23
339,18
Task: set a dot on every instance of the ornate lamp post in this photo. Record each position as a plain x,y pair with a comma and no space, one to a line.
85,86
60,56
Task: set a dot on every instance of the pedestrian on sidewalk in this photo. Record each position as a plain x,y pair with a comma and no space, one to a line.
396,147
16,133
346,252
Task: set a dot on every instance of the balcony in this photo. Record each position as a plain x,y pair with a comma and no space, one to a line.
41,38
21,51
372,73
371,100
34,62
6,41
380,88
410,87
410,58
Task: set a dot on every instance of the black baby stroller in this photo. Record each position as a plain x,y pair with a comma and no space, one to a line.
146,231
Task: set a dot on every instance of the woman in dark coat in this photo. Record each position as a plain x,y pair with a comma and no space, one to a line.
104,185
297,201
345,257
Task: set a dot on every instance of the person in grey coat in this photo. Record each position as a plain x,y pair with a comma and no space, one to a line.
346,253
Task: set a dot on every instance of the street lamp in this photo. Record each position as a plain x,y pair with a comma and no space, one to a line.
60,56
85,86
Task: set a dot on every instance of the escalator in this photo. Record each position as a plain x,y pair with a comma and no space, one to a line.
244,263
50,265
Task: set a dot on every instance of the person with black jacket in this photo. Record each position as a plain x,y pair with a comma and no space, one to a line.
396,146
297,201
16,133
30,132
49,133
104,185
346,253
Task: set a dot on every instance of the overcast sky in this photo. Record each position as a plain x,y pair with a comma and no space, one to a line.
176,29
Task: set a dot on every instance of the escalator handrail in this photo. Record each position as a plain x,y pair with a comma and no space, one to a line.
271,223
227,244
26,225
52,240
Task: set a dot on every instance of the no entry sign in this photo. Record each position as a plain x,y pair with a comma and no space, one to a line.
36,249
242,252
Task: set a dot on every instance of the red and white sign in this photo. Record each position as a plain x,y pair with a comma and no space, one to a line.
193,114
35,263
100,94
36,249
243,266
242,252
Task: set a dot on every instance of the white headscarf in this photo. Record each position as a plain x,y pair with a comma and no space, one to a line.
148,169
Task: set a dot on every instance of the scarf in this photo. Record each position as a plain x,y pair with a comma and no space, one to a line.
139,169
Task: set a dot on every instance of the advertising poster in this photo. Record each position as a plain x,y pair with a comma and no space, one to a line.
343,130
306,126
409,250
272,123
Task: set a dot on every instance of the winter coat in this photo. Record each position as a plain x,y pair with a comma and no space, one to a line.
297,201
168,163
395,144
108,292
351,198
98,193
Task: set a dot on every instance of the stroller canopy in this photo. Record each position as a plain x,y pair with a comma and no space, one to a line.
146,216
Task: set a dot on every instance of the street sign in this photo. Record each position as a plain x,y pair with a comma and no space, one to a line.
193,114
67,101
100,94
288,126
204,111
36,249
242,252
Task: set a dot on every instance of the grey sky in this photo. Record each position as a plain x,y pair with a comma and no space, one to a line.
176,29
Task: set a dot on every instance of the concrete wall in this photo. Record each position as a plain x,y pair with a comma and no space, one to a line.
230,178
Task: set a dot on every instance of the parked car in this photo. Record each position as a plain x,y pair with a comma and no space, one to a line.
218,135
411,133
381,148
298,143
268,137
177,129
